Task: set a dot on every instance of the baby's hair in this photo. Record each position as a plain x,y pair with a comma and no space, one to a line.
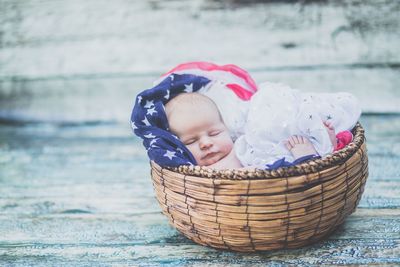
190,99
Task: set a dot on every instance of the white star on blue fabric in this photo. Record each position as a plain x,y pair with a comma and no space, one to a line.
172,77
188,88
139,99
153,141
150,135
149,104
151,111
133,125
169,154
167,95
146,122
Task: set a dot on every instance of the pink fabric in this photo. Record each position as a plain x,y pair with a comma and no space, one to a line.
343,139
243,92
240,91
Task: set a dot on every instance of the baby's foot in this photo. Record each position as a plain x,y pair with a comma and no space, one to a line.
300,146
331,132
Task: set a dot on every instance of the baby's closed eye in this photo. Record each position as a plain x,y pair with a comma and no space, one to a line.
190,141
214,133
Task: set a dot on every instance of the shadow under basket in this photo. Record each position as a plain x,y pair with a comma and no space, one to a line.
256,210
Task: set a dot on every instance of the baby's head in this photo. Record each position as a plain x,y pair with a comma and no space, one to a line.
196,120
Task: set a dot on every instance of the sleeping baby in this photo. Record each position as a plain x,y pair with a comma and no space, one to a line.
203,114
196,120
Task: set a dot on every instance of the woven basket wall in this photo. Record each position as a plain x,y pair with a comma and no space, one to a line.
264,210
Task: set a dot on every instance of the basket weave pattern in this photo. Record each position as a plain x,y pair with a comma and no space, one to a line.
259,210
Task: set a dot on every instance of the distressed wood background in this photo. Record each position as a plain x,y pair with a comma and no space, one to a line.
75,187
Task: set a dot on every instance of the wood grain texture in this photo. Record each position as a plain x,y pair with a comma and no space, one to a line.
82,57
92,98
75,187
82,195
42,38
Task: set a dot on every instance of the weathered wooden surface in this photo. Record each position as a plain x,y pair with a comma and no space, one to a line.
82,195
85,56
100,36
75,187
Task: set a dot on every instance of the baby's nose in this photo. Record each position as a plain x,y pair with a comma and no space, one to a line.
205,143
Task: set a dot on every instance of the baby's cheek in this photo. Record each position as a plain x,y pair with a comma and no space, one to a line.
227,145
228,140
194,151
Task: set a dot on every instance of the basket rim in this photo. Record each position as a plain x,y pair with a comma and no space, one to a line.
313,166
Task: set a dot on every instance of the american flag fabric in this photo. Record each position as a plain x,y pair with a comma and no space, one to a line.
148,118
234,77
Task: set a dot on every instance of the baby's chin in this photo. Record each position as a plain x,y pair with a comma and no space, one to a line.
208,162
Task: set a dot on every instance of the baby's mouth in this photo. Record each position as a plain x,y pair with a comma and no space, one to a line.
210,155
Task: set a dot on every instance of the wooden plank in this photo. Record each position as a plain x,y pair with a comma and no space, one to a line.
42,38
127,198
149,227
358,241
374,251
86,97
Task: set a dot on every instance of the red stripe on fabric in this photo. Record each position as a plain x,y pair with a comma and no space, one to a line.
193,65
240,91
242,74
207,66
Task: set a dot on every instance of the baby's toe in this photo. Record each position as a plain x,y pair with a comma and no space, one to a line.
288,145
291,141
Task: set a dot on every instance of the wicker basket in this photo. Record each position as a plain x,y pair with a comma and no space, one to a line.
259,210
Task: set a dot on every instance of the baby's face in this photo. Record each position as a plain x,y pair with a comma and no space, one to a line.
204,134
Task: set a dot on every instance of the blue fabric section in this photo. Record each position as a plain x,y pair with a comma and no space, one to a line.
149,121
283,163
